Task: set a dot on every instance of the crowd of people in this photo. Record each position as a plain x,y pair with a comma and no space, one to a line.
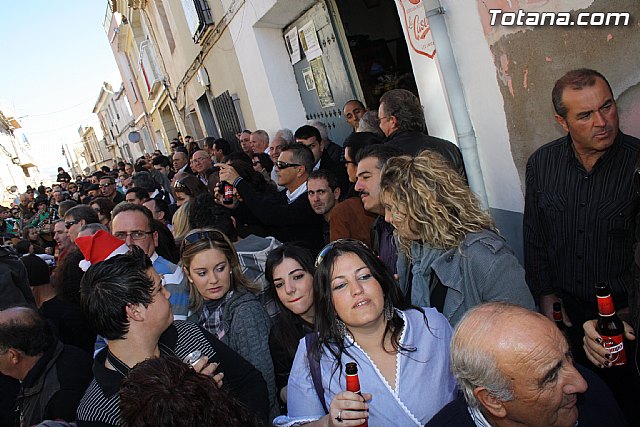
208,286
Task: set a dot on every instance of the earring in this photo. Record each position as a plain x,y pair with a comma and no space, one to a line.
341,328
388,310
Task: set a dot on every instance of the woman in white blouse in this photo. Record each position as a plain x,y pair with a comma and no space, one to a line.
402,352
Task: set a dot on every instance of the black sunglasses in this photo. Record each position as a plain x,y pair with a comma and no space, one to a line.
69,224
196,236
285,165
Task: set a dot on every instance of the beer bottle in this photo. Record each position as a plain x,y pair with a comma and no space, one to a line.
610,326
557,315
353,383
226,190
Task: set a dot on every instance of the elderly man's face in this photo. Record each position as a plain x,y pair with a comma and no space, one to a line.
544,381
179,160
201,161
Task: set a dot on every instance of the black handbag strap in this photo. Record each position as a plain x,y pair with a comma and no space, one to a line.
311,340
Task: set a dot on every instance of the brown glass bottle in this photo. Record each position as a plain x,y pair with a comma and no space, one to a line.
610,326
557,315
353,382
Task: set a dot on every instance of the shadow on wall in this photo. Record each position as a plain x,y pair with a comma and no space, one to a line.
529,60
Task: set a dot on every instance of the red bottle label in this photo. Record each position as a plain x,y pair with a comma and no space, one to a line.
353,384
228,191
605,306
557,316
615,345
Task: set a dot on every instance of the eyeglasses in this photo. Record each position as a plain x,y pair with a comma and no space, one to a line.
256,163
69,224
135,235
324,251
285,165
196,236
384,117
106,185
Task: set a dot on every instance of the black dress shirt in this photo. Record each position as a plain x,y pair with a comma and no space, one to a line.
578,225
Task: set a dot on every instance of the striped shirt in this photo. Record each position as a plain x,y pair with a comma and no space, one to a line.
100,404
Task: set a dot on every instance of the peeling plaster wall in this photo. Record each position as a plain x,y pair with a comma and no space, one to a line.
528,61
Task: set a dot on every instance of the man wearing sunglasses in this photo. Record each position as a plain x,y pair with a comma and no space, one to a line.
77,217
108,189
289,217
133,224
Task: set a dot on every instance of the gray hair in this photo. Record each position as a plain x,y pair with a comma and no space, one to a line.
93,228
286,135
405,107
262,135
369,122
471,362
322,128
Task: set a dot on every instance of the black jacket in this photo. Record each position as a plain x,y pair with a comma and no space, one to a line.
14,282
596,407
53,387
289,222
412,143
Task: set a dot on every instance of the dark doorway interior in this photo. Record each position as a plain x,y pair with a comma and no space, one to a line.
378,47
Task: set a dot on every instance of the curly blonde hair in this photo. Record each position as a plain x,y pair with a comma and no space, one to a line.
211,238
439,206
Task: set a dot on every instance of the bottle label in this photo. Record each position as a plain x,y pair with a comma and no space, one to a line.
353,384
605,306
615,345
557,316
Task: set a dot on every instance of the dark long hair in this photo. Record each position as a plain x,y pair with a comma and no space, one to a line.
285,330
325,312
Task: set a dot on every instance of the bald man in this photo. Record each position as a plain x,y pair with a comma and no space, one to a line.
514,367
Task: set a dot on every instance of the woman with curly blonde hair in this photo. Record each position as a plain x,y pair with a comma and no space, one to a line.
180,222
453,258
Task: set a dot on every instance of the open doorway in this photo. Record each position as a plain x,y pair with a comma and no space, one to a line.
378,47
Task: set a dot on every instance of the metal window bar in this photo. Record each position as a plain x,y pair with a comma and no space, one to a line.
226,116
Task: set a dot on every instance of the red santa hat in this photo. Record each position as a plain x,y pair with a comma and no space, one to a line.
99,247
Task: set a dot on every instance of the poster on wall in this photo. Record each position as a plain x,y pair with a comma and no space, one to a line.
309,41
309,81
322,84
293,45
417,27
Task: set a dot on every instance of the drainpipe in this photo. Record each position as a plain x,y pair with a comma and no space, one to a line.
453,86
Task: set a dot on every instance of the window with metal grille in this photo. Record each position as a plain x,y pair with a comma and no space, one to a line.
198,14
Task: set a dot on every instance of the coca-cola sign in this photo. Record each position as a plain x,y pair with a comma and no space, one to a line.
417,27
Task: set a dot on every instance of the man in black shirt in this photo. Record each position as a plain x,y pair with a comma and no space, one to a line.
580,209
126,301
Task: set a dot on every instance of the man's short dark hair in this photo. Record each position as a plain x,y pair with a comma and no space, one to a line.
65,205
161,160
140,193
327,175
80,212
208,141
98,174
206,213
182,149
27,331
133,207
105,169
165,391
360,104
306,132
576,80
109,177
223,145
406,108
238,156
382,152
358,140
302,155
145,180
109,286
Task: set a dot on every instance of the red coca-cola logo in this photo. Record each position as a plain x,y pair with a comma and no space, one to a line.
420,27
414,1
